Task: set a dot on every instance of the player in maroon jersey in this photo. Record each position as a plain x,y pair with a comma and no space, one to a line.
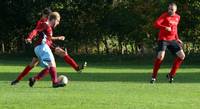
168,38
34,62
42,47
57,50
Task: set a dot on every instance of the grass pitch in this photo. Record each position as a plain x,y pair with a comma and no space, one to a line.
101,86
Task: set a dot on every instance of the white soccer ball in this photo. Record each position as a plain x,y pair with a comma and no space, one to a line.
63,79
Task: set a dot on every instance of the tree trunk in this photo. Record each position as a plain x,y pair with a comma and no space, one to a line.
126,48
137,49
2,47
86,48
106,45
132,48
120,46
98,45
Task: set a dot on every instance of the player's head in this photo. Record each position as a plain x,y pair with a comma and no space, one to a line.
54,19
46,12
172,8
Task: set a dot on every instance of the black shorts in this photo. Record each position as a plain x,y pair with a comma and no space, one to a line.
173,46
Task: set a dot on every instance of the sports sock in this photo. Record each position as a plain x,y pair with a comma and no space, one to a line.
24,72
53,73
157,64
70,61
42,74
176,65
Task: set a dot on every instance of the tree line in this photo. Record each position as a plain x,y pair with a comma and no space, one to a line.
99,26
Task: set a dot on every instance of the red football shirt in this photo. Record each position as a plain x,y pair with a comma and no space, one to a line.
165,20
41,21
43,28
33,33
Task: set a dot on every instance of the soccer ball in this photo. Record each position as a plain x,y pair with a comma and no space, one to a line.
63,79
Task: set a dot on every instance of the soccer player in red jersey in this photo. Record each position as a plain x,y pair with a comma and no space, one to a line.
168,37
34,62
57,50
42,47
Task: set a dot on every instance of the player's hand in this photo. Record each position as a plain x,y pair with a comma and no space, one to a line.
61,37
179,41
28,41
168,29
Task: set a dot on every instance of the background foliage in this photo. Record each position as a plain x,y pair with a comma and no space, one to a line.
99,26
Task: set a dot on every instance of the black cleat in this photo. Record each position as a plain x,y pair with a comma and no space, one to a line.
31,82
56,85
14,82
80,68
153,80
170,78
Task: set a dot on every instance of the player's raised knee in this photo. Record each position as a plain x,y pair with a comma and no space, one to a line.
181,54
161,55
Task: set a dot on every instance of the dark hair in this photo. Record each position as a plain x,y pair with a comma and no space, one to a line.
46,11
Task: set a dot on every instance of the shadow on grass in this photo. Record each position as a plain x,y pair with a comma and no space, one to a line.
193,77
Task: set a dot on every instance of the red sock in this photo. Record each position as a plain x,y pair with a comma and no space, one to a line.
42,74
70,61
157,64
53,73
24,73
176,65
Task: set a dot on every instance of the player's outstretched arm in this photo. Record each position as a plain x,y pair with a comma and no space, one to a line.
58,38
34,32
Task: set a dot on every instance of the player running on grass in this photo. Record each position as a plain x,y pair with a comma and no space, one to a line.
168,38
57,50
42,47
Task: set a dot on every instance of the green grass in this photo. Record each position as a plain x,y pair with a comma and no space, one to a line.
101,86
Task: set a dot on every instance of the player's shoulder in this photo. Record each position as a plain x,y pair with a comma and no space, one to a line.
177,15
42,25
41,21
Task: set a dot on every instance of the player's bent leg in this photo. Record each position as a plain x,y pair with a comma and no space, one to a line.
27,69
47,60
60,52
157,63
181,54
53,73
51,64
52,68
161,55
34,62
177,63
42,74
